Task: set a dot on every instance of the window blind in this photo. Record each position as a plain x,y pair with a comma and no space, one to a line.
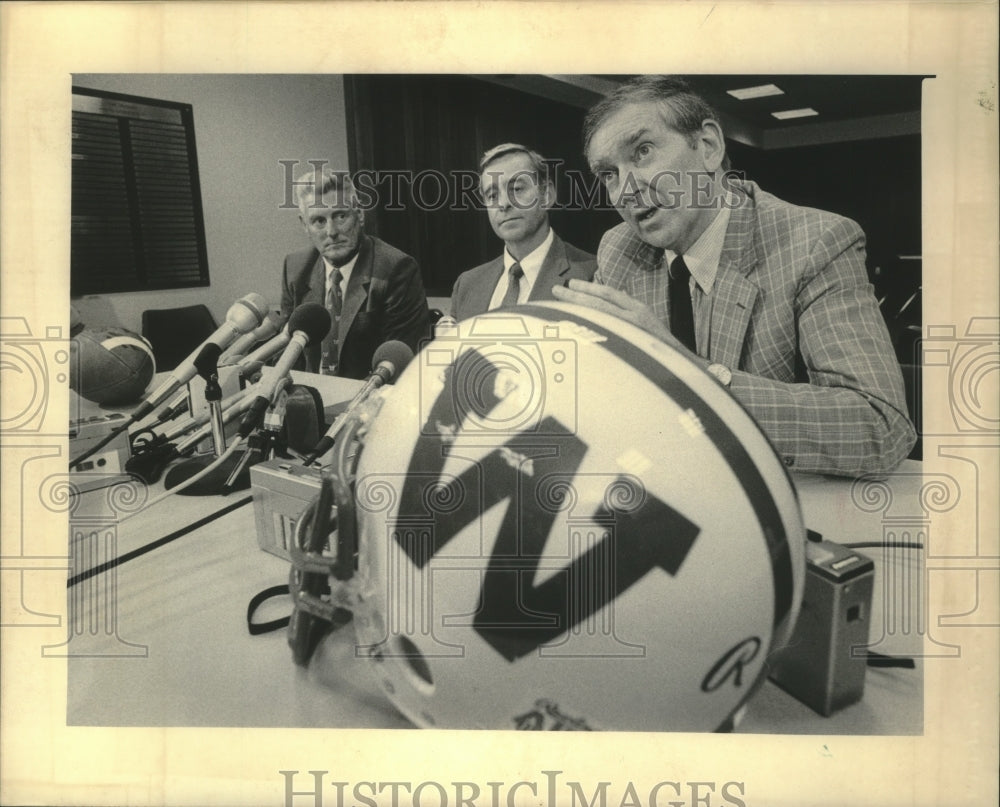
136,204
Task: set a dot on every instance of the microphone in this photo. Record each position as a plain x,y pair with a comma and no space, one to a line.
308,324
149,461
389,361
230,411
160,449
446,323
177,405
206,363
268,328
244,315
253,362
180,429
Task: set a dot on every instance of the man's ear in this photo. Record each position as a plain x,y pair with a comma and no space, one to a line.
302,221
712,144
548,195
361,216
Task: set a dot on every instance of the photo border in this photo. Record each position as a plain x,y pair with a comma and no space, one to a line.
43,761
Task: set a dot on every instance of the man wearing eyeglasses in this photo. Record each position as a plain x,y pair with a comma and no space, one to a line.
518,193
373,291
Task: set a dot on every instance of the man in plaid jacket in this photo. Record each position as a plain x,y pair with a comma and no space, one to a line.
783,314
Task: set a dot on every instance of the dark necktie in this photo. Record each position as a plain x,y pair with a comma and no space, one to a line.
515,273
334,304
681,312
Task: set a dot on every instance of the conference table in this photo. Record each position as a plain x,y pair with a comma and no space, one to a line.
158,635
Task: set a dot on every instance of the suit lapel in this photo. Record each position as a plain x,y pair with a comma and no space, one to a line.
734,294
650,285
555,265
316,293
357,287
482,293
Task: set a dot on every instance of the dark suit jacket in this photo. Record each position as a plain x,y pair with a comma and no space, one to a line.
474,288
384,300
791,285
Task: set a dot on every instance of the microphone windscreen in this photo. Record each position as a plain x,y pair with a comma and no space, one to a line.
207,360
312,319
248,312
396,353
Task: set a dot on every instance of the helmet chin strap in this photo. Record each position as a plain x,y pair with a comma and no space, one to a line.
323,585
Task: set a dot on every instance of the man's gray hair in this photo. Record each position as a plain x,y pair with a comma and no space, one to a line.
539,165
683,109
316,182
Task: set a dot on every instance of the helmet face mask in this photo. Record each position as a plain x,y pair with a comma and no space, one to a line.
563,523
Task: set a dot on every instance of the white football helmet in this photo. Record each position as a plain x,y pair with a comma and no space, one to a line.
562,522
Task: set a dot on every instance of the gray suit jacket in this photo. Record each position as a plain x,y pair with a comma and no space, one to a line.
384,300
474,288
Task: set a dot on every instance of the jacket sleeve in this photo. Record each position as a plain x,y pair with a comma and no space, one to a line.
851,417
457,293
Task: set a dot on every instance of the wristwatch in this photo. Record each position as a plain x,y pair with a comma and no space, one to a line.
722,374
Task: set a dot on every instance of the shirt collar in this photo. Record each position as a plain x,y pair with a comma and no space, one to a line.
702,259
345,270
531,264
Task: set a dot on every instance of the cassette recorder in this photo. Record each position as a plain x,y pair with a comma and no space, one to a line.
824,663
281,490
107,466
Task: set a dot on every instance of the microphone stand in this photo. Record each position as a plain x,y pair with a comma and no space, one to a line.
219,478
152,452
262,444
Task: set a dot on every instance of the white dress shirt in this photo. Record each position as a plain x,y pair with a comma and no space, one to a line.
345,275
702,260
531,265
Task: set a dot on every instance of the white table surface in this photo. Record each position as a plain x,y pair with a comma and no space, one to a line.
125,505
161,640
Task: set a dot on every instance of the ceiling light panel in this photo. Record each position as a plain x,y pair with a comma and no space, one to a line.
760,91
788,114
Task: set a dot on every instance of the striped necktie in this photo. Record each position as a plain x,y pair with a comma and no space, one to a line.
334,304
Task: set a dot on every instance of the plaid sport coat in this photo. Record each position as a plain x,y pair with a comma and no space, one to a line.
791,293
